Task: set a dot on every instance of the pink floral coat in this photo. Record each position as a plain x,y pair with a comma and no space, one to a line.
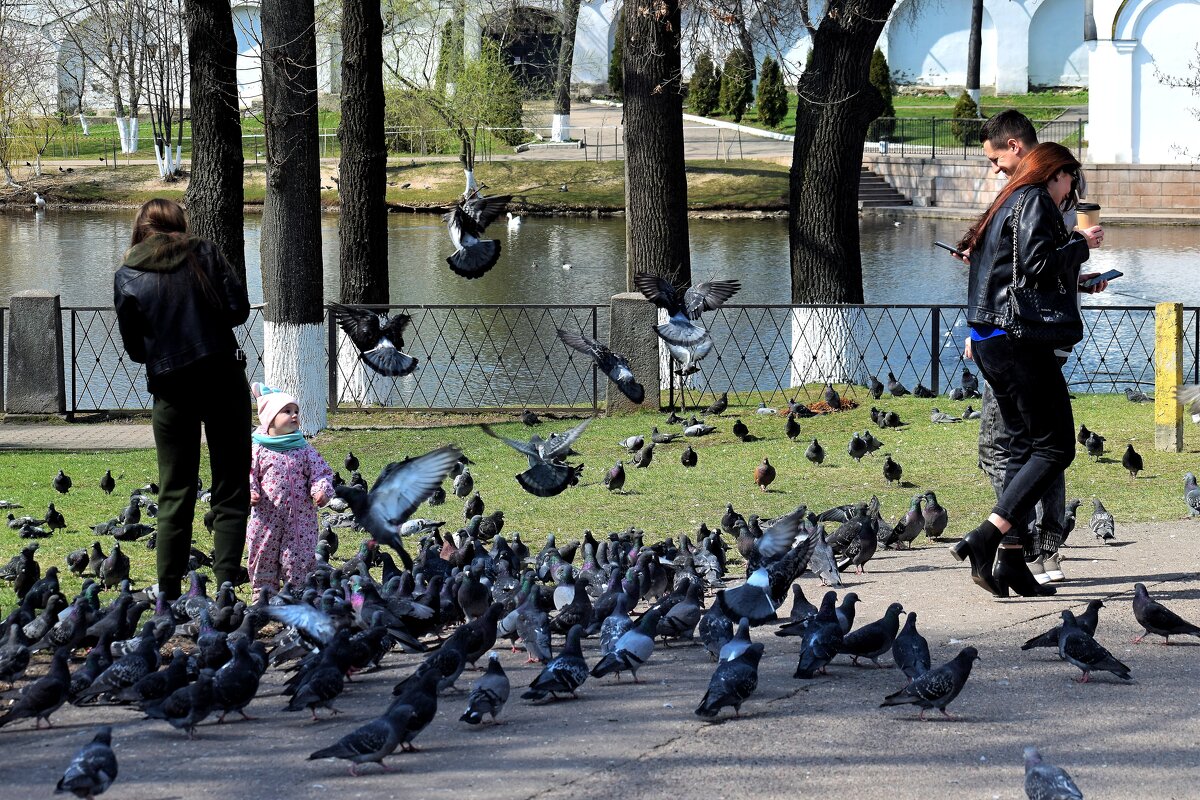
281,537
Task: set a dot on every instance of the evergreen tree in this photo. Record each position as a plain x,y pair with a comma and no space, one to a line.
616,75
704,88
736,83
881,79
966,124
450,54
772,102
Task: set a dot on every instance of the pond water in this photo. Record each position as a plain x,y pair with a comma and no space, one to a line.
74,253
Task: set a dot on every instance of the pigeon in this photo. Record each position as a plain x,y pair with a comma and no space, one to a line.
1082,435
895,387
832,398
614,365
379,339
936,688
467,221
114,568
1047,782
892,471
633,443
688,457
548,475
1069,518
874,387
822,562
857,447
1137,396
970,383
14,656
764,474
44,696
820,639
1132,461
463,483
1191,494
751,599
923,392
718,406
351,461
61,482
1077,647
802,609
939,417
529,419
737,645
956,394
910,650
791,428
686,341
873,639
488,694
1087,622
936,517
642,458
614,479
1095,445
971,413
633,649
236,683
815,453
695,428
400,488
1156,618
732,682
372,742
1103,525
564,674
907,528
740,430
54,519
93,769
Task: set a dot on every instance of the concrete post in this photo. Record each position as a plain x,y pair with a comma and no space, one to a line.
631,322
35,355
1168,376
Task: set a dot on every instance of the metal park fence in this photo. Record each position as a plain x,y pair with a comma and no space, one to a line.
475,357
956,138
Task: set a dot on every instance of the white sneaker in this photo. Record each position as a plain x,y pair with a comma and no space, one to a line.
1053,566
1039,571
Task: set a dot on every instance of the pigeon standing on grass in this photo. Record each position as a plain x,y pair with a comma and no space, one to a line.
1132,461
1047,782
1191,494
1156,618
815,453
93,769
937,687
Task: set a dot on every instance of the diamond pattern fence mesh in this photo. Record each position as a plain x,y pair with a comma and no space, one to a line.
508,356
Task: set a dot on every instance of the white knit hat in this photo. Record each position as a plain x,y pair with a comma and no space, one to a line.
270,403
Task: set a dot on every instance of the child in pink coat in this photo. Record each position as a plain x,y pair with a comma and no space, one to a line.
287,476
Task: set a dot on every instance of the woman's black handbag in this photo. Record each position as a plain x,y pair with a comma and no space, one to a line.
1037,316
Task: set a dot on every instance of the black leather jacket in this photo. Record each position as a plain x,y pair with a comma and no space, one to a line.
167,321
1048,254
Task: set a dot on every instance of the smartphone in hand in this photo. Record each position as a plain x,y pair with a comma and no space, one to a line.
953,250
1107,276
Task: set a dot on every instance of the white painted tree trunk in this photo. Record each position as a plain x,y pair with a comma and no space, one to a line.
161,159
560,128
823,344
178,158
130,142
357,383
37,165
471,185
123,133
83,123
292,359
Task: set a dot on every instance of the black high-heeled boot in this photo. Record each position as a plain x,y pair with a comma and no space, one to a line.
1013,573
980,546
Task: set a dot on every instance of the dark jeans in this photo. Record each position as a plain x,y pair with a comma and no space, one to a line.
1043,532
217,396
1035,409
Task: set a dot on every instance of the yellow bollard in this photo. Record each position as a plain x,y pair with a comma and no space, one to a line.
1168,376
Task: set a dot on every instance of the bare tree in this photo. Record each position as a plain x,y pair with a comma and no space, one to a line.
974,50
569,20
165,63
26,68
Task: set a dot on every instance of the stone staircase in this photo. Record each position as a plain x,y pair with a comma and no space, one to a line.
875,192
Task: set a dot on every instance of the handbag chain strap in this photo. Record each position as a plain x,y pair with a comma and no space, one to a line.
1016,224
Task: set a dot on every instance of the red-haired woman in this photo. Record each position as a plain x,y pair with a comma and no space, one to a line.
177,302
1024,374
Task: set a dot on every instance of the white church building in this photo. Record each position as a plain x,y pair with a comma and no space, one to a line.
1128,53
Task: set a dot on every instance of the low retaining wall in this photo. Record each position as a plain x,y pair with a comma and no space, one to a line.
968,183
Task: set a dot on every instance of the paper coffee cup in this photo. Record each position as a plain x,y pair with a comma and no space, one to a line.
1087,215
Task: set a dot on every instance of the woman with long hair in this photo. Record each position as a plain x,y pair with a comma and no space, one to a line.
1024,223
177,302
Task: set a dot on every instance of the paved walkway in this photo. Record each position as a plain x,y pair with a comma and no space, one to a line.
75,436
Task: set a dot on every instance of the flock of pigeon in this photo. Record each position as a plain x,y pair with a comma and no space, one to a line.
462,594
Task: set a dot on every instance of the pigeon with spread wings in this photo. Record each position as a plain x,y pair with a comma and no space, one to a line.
614,365
548,474
687,341
378,337
467,221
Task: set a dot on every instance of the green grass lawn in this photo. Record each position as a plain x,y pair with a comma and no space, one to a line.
665,499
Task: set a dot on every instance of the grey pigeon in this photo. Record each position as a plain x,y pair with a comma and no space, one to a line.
14,656
956,394
970,383
186,708
372,742
822,561
614,365
937,687
936,517
547,474
1137,396
738,644
564,673
751,599
970,413
686,340
802,609
732,682
633,443
1047,782
632,650
873,639
1077,647
942,418
820,640
533,626
719,405
715,629
910,650
1156,618
488,694
463,483
93,769
1089,620
1103,524
895,387
1191,494
1095,445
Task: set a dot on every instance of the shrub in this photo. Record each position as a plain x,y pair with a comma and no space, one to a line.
772,99
450,54
704,88
966,123
736,84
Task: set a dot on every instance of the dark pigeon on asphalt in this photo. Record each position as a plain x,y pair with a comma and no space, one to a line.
93,769
873,639
1047,782
732,682
632,650
1156,618
820,639
44,696
373,742
379,340
1077,647
910,650
1103,524
937,687
1088,621
564,674
488,694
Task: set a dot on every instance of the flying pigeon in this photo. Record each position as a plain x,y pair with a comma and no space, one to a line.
467,221
379,339
686,341
548,474
615,366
